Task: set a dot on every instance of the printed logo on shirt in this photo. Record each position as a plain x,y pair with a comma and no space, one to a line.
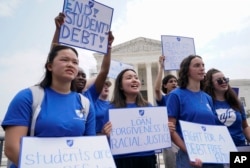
226,116
208,106
79,113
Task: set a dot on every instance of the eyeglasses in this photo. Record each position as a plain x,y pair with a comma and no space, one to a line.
220,81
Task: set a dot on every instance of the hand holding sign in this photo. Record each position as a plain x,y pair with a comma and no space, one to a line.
59,20
110,39
86,25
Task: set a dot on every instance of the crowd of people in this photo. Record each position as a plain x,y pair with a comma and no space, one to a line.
195,95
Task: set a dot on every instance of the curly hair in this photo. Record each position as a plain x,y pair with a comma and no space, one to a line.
230,95
165,81
184,70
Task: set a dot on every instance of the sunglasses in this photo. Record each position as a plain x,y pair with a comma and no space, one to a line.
220,81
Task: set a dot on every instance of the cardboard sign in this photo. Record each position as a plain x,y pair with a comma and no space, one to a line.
210,143
175,49
87,25
139,129
116,67
66,152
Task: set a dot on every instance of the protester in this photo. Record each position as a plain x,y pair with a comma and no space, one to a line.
162,89
57,117
81,81
127,95
101,106
163,86
228,107
93,92
190,103
102,103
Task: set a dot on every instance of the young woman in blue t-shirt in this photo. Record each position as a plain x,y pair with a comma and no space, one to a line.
127,94
228,107
190,103
61,113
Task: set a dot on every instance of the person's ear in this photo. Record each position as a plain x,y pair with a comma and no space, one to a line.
49,66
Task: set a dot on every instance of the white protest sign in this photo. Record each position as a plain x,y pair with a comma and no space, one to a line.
66,152
139,129
210,143
175,49
87,25
116,67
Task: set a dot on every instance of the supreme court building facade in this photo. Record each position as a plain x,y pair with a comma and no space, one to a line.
143,54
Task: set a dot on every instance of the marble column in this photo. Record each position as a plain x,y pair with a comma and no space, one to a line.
149,83
136,68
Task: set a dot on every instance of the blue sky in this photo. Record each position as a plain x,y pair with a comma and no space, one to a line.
220,28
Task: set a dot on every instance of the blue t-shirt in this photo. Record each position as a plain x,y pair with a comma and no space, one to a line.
60,114
196,107
101,107
163,100
146,153
232,119
93,96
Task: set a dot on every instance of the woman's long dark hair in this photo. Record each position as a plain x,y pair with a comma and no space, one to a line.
184,70
230,95
119,99
47,80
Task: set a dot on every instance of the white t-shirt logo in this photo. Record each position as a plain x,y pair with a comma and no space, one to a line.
226,116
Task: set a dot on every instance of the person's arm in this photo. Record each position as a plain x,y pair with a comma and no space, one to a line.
103,73
107,125
157,85
106,130
174,135
246,130
59,20
89,82
179,142
13,135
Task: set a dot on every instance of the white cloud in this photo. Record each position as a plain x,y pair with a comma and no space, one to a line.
200,19
7,7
